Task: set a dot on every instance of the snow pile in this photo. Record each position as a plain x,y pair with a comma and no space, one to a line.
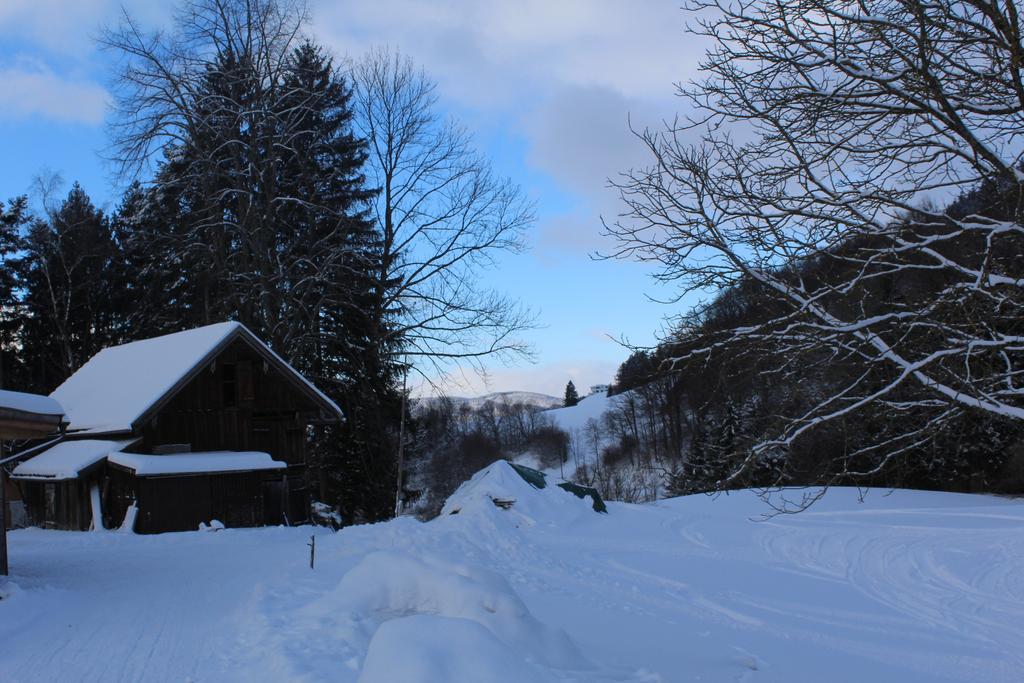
128,525
428,619
8,589
500,487
325,515
428,649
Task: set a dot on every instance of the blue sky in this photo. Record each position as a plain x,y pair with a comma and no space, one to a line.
546,87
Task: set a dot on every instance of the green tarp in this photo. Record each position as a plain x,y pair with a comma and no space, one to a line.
538,480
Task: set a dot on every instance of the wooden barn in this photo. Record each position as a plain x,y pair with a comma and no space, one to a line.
167,433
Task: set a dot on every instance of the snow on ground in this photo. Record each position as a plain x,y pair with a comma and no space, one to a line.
574,418
912,586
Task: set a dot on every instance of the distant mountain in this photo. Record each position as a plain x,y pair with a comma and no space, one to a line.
528,397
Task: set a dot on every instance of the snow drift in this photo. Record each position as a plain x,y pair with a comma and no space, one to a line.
433,616
500,485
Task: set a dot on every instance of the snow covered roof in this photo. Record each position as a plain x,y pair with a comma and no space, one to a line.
67,459
30,403
121,384
195,463
28,416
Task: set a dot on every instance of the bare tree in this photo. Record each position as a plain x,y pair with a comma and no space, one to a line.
444,217
818,131
162,98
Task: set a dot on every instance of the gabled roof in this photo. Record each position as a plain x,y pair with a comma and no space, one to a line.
121,385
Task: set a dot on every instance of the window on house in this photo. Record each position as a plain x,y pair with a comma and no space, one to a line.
229,386
246,382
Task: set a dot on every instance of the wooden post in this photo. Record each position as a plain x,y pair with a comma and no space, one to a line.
3,515
312,550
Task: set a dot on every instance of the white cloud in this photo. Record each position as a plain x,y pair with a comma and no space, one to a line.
32,90
58,25
572,72
38,91
581,137
489,51
69,27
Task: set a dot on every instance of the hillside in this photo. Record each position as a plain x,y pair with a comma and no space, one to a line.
574,418
905,586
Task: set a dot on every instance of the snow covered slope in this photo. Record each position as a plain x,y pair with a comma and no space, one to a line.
574,419
912,586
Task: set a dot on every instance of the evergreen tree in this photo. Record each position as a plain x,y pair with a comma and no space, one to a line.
571,396
336,250
260,215
635,371
157,282
73,295
13,219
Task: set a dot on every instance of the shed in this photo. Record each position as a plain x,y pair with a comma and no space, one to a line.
186,427
22,416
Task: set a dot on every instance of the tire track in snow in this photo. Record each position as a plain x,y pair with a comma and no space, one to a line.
929,574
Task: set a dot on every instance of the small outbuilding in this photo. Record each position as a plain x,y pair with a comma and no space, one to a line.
171,432
22,416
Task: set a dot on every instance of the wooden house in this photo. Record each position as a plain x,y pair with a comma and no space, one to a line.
22,416
171,432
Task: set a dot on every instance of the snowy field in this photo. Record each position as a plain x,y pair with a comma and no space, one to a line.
911,586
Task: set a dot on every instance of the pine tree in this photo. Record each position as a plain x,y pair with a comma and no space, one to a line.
261,208
336,249
157,282
73,298
13,219
262,215
571,396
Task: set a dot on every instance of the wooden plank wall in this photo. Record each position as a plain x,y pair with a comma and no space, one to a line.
238,403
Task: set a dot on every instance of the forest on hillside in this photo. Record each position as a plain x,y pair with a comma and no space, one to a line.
848,199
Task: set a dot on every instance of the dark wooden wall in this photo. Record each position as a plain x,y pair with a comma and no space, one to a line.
182,503
58,504
238,403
